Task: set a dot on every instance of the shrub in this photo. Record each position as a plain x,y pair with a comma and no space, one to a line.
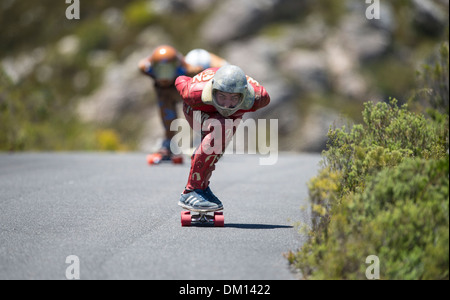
139,13
34,117
383,190
390,133
433,82
109,140
402,217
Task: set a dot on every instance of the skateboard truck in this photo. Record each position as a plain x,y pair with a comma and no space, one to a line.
202,218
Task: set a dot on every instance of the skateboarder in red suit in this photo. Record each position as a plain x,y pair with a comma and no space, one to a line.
219,94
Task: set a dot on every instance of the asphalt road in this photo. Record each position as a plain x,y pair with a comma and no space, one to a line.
120,217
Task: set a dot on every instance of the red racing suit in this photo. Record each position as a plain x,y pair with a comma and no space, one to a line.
190,89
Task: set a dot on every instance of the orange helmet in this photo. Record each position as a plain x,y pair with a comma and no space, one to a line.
165,61
163,54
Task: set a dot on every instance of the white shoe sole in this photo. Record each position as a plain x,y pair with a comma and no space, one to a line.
198,209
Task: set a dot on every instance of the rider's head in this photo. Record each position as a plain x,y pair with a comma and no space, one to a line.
165,61
199,58
229,91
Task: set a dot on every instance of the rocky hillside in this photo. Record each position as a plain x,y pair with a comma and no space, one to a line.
319,60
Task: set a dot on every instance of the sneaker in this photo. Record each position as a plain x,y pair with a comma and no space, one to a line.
197,201
163,155
208,194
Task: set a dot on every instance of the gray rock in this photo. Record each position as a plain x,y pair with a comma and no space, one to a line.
343,70
235,19
364,40
175,6
308,69
314,128
124,89
430,15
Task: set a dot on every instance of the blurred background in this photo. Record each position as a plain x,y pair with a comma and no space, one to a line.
74,84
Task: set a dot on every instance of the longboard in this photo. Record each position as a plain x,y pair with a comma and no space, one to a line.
202,218
156,159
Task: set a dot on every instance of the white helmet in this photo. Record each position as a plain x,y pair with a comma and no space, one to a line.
199,58
229,79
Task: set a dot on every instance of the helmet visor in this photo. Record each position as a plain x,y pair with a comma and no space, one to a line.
227,100
165,70
227,103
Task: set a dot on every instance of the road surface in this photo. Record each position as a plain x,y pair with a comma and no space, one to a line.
120,218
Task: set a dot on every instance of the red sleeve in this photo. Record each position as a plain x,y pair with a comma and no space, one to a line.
182,85
191,90
262,98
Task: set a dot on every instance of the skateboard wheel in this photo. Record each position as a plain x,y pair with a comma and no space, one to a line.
153,159
177,160
219,220
186,218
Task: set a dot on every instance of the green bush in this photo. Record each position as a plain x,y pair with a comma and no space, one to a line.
139,13
402,217
433,82
390,133
383,190
34,117
405,219
109,140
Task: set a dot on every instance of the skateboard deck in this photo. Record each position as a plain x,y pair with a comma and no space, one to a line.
156,159
214,218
